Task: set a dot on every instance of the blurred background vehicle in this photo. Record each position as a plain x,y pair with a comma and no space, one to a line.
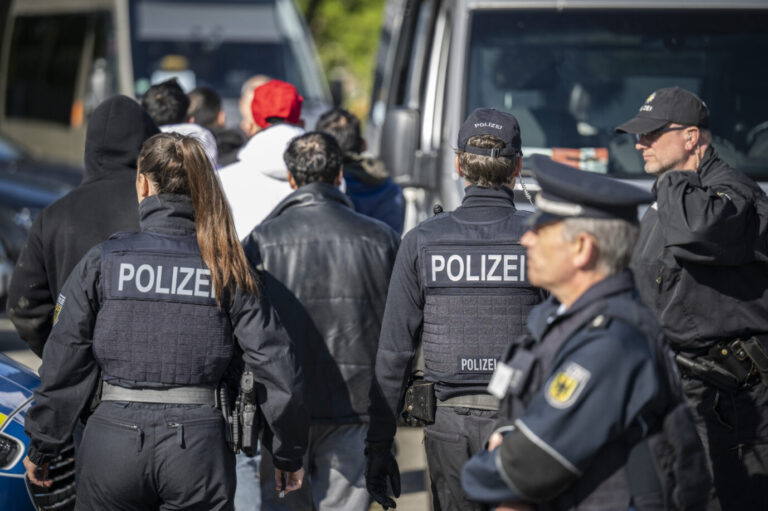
61,59
27,185
570,71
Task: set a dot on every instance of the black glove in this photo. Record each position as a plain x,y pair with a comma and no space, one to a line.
380,464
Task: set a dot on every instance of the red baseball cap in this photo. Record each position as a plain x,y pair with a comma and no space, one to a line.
276,99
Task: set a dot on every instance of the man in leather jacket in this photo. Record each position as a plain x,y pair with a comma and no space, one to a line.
700,266
326,270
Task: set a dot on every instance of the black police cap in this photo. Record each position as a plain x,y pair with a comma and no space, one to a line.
671,104
487,121
570,193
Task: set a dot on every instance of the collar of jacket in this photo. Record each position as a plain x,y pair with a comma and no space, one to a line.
477,196
708,162
544,316
310,195
167,213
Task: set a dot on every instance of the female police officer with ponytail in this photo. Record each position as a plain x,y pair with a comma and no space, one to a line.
157,313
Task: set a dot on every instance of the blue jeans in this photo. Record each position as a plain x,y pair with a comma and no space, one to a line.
248,491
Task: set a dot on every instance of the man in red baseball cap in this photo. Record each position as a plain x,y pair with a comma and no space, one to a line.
276,101
258,181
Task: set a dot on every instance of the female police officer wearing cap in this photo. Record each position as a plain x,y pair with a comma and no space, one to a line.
157,313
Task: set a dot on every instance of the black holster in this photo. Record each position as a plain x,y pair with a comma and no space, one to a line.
420,402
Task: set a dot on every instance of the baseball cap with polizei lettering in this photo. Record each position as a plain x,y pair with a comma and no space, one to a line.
671,104
487,121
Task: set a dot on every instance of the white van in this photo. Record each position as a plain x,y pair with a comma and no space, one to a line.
570,71
60,58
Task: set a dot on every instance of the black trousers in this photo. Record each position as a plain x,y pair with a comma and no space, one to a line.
139,456
733,427
456,435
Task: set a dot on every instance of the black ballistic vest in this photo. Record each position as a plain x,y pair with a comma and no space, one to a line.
158,322
477,300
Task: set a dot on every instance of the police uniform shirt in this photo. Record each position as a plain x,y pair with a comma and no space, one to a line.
601,381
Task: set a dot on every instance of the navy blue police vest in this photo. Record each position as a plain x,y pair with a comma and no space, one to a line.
477,298
159,322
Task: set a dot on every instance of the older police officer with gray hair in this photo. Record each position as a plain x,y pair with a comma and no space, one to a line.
459,287
592,393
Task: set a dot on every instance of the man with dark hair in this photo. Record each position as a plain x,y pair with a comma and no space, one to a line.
459,288
700,265
594,417
368,184
205,109
167,105
326,269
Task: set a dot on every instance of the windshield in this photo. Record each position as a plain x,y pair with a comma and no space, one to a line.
221,45
571,77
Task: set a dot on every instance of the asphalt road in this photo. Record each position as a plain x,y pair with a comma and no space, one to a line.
409,441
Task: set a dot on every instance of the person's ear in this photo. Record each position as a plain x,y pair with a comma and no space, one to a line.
291,181
143,187
691,139
337,182
584,251
221,119
458,168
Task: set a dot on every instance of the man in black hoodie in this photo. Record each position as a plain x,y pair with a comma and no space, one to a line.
104,203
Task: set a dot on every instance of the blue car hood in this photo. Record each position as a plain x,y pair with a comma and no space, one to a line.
17,383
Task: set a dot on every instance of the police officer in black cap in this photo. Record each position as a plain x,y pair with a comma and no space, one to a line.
460,289
591,393
700,267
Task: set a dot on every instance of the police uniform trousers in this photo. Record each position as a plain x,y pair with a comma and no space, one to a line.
456,435
334,472
142,456
733,427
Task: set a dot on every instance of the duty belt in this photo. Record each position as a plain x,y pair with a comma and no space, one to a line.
478,401
189,395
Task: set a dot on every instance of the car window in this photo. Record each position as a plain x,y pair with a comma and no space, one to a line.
219,45
572,76
45,61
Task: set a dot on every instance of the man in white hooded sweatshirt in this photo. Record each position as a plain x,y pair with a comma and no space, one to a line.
258,181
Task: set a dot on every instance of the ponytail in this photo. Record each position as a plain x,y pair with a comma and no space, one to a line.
178,164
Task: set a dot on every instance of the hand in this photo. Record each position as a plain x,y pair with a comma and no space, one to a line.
495,441
33,471
292,480
380,465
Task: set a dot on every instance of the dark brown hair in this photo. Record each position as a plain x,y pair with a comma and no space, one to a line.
486,170
178,164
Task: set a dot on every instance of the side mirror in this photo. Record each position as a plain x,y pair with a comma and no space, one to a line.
400,152
337,91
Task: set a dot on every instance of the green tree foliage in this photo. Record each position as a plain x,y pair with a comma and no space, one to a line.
346,33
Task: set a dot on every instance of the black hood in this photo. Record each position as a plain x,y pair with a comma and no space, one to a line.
116,130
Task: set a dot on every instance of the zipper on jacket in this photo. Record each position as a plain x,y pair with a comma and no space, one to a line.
658,281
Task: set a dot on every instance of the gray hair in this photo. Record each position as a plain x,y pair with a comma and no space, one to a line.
615,239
